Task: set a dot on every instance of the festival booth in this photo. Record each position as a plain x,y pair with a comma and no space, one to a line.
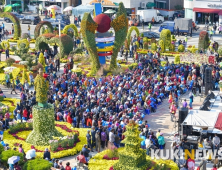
203,123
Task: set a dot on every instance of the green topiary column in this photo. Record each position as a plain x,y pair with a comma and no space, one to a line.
43,125
43,115
132,157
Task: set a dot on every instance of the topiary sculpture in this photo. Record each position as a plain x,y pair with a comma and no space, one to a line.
181,48
42,60
165,39
128,37
153,47
177,59
132,156
43,115
145,43
203,40
120,25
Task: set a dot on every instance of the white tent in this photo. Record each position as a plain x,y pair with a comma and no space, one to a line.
201,118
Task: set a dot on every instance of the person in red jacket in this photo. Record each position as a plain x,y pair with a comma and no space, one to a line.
68,166
25,114
69,118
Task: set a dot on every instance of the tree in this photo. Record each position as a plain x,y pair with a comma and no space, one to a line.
178,7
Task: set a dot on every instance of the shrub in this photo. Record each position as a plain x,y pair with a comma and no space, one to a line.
153,46
1,148
13,48
172,47
9,153
25,36
177,59
37,164
10,61
181,48
142,35
220,51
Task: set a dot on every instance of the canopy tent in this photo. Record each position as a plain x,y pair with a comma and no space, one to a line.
203,119
110,11
218,124
81,9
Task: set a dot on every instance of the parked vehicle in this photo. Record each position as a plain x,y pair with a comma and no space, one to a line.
183,24
63,19
148,14
150,34
30,19
178,14
16,14
167,25
56,24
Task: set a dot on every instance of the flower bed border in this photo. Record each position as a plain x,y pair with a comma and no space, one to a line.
9,139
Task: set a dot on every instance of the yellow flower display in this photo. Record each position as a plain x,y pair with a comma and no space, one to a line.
12,141
98,163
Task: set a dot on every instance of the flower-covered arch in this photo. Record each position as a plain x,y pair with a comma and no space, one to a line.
67,27
15,21
39,26
128,37
64,42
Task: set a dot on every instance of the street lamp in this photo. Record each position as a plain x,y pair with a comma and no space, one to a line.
59,27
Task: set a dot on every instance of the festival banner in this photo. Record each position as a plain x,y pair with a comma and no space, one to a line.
107,39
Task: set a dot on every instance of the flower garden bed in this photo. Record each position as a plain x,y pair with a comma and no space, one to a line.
101,162
13,40
16,138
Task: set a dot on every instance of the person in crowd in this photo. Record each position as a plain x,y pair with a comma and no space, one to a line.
98,141
216,143
47,154
81,158
56,163
161,141
89,140
68,166
214,167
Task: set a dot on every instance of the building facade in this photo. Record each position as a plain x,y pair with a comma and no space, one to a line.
167,7
31,5
202,11
131,5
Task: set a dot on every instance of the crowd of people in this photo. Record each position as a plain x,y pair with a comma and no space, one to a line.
108,103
